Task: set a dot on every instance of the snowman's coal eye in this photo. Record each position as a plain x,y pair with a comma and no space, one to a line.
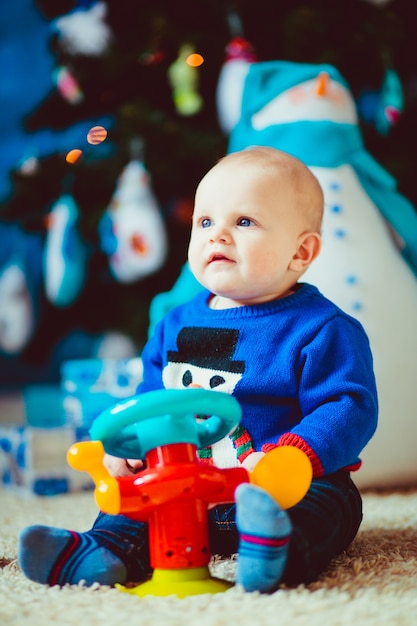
187,378
215,381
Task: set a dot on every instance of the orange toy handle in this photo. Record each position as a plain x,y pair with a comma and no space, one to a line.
87,456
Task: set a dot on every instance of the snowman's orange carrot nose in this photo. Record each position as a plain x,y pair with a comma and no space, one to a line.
321,84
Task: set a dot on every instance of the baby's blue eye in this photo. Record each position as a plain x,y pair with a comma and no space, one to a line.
245,221
206,222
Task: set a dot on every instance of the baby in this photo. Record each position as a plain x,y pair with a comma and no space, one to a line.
300,368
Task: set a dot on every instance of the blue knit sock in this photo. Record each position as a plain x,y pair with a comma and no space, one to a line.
264,535
53,556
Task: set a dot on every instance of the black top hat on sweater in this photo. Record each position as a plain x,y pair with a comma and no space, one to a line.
212,348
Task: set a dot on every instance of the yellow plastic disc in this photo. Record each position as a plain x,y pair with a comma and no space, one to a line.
181,582
285,473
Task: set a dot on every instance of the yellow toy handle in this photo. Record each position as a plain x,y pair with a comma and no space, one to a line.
87,456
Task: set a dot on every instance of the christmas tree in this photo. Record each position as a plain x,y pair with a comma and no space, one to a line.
125,68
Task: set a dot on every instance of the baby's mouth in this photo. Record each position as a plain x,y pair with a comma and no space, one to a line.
214,258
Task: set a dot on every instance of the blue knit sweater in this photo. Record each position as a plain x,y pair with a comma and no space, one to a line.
299,366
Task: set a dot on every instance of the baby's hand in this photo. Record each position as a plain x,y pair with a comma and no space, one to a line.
121,467
251,460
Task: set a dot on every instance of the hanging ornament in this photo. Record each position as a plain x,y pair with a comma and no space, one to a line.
390,102
240,55
132,232
29,166
183,78
84,31
68,86
154,52
20,278
383,107
65,254
152,57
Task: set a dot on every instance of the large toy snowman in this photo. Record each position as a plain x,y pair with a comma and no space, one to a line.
369,238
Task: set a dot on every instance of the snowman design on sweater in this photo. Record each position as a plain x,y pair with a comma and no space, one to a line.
196,364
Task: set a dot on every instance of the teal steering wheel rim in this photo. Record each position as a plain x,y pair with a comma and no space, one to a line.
131,428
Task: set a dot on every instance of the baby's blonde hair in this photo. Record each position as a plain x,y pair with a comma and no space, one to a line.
308,194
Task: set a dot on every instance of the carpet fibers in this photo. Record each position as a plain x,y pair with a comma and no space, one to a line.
373,583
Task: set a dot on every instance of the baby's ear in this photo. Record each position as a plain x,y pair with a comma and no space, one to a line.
309,245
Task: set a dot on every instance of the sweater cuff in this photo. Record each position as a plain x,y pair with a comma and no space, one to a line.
289,439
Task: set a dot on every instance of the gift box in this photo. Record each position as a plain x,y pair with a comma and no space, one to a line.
33,460
89,386
34,444
34,441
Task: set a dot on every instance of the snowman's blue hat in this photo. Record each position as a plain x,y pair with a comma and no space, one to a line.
277,76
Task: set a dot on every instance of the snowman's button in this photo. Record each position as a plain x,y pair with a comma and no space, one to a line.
351,279
334,186
336,208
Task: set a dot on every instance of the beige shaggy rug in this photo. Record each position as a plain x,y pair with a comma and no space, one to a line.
374,583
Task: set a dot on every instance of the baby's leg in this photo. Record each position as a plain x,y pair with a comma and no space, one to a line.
324,524
295,546
115,550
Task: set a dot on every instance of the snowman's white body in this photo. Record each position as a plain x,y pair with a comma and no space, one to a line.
362,271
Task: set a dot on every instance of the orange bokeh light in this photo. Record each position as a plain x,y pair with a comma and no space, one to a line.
194,60
96,135
73,156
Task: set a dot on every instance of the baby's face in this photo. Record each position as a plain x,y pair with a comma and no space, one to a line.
245,232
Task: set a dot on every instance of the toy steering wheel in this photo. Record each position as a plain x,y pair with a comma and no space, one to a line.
156,418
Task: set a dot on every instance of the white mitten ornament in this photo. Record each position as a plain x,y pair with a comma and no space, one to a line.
132,230
239,57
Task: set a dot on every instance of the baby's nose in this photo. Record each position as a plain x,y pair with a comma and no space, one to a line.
220,235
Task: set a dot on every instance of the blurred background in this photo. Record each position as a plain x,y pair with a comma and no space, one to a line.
88,238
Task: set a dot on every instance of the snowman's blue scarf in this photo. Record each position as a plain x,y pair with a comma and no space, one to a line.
330,144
